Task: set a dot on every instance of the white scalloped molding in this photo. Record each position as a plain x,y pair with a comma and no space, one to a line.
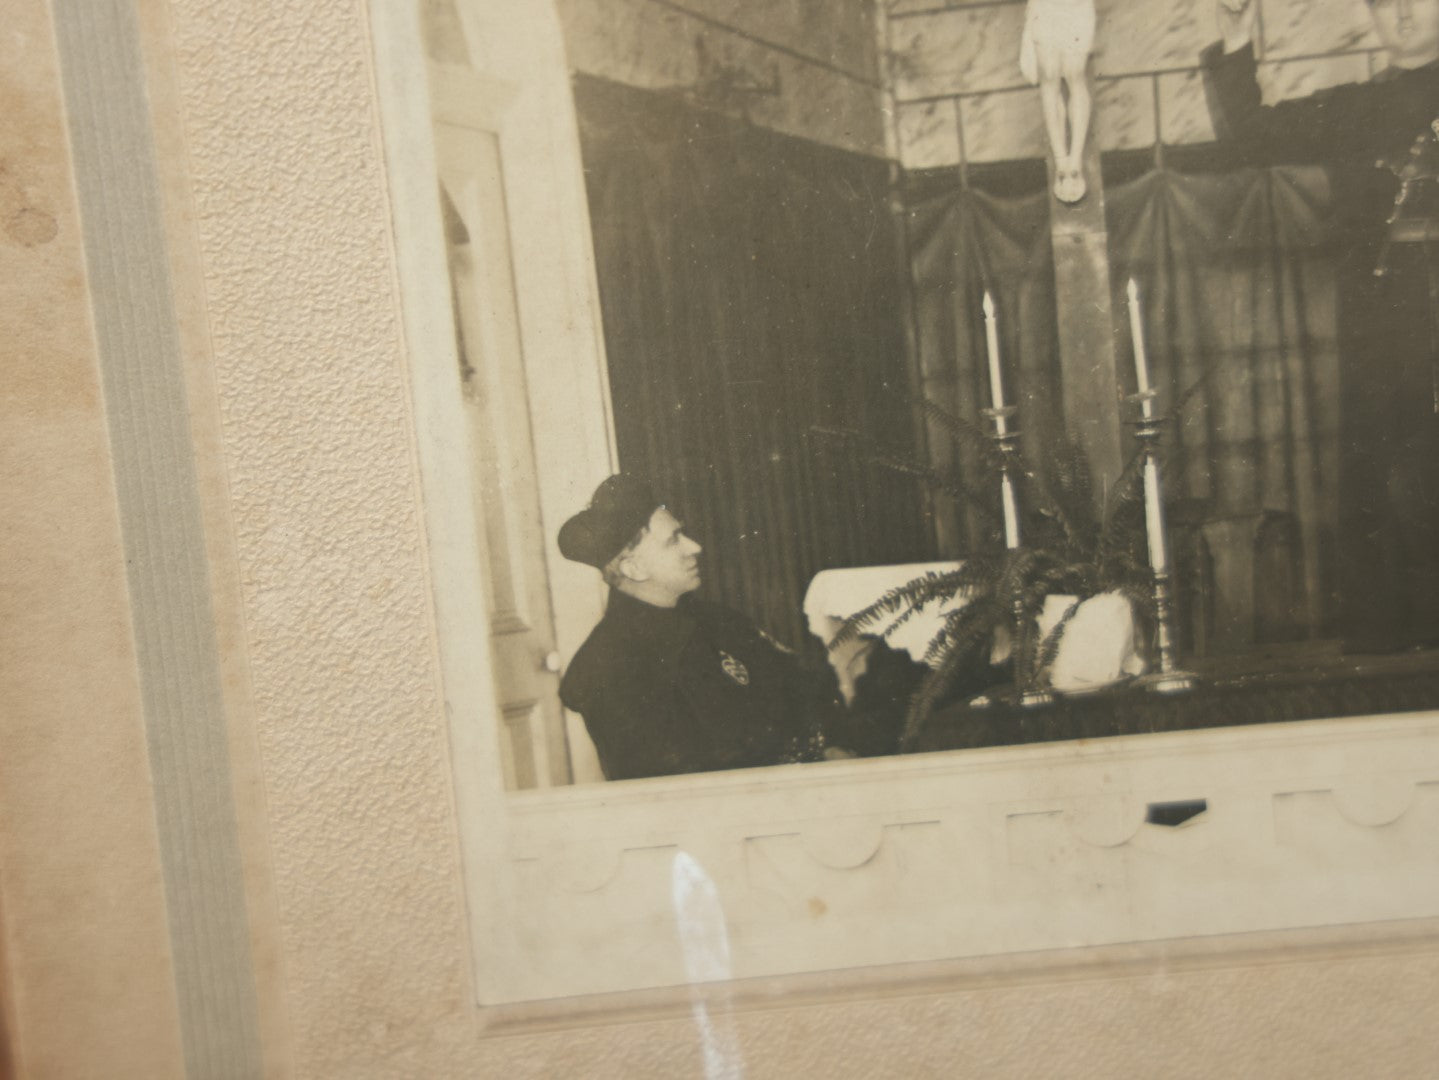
974,853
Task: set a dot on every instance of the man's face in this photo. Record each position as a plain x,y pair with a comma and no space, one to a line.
1409,29
664,564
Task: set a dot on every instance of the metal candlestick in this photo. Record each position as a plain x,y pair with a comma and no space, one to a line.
1006,440
1168,679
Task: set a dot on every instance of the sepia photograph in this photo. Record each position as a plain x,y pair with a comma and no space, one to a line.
719,538
1040,391
972,375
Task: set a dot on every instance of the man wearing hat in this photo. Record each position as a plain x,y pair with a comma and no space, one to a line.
669,683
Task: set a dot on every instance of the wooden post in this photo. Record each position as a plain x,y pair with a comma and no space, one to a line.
1086,325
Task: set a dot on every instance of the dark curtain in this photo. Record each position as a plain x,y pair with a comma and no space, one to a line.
1237,277
1389,468
751,291
964,240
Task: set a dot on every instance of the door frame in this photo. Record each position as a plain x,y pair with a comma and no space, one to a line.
525,68
525,75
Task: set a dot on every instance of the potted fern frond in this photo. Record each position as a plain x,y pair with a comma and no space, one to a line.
1012,603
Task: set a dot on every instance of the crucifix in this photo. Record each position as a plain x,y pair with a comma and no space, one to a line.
1054,53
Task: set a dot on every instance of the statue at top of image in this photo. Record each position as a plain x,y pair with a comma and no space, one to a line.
1054,53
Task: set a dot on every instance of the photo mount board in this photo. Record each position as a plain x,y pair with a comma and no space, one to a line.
784,876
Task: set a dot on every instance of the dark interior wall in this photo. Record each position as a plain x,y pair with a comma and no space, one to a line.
751,290
750,279
808,68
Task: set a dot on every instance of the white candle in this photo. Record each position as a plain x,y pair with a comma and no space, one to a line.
1154,517
1011,512
996,383
1141,362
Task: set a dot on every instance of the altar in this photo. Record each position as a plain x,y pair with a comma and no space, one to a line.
1259,685
1306,685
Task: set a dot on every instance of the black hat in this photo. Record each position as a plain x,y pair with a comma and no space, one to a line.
620,508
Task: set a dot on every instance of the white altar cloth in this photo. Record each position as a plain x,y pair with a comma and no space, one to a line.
834,595
1100,651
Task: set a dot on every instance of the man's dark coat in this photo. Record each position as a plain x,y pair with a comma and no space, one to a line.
689,689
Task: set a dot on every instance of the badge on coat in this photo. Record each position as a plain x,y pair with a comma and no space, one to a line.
734,668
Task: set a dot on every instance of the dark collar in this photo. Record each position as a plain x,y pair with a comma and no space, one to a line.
654,631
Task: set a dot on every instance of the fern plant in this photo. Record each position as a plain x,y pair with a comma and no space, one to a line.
1071,544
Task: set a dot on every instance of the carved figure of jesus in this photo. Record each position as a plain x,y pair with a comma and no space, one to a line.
1054,52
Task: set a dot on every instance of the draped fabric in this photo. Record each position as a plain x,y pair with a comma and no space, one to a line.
963,242
751,291
1237,277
